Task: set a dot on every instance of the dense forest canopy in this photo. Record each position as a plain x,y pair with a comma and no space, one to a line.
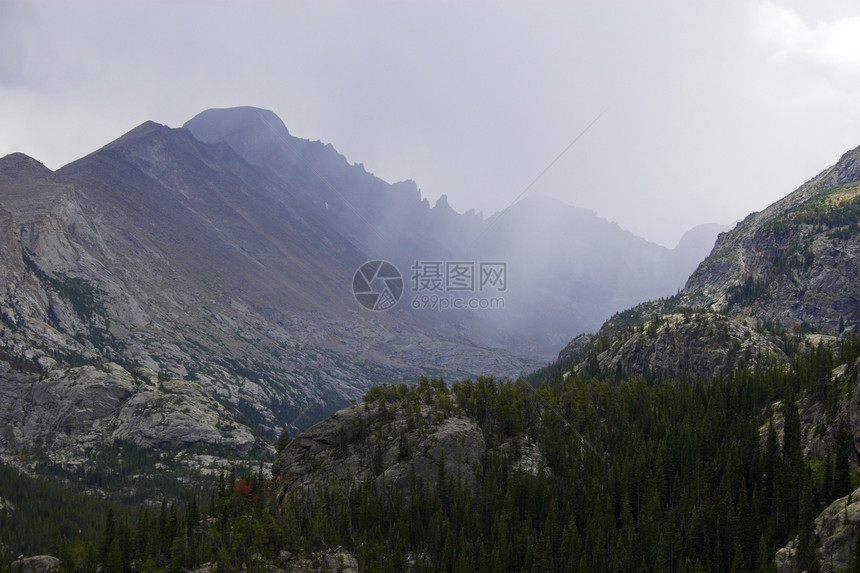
635,475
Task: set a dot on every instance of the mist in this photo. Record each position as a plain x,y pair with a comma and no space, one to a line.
709,111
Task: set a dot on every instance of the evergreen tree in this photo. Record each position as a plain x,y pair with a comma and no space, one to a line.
283,438
842,466
106,542
806,542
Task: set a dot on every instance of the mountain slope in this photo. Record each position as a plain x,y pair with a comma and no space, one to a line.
796,261
787,271
543,241
164,251
223,254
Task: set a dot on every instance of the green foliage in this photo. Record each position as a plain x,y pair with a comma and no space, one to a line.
842,468
749,291
838,208
636,475
283,439
41,512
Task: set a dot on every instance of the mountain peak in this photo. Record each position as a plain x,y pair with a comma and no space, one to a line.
848,167
142,131
21,165
250,131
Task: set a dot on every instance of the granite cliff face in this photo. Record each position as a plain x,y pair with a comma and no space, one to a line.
71,413
786,271
162,251
396,440
684,346
367,441
837,527
796,262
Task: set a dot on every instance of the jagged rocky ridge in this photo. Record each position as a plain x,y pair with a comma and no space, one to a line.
779,285
794,262
686,345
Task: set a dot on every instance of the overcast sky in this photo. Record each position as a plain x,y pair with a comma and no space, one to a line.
711,110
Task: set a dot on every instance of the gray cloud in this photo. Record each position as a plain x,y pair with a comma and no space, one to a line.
714,109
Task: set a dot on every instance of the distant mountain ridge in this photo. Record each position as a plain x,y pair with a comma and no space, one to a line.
541,239
223,253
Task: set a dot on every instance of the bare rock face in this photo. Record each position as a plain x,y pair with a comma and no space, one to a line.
836,528
679,346
71,411
337,560
37,564
794,262
791,266
162,250
816,428
385,444
576,348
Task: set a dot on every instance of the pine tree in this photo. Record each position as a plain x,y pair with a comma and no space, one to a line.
842,466
806,542
283,438
771,461
792,474
827,484
855,555
107,538
738,563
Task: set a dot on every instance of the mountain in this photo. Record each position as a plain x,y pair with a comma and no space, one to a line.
161,251
712,429
543,241
780,274
217,260
717,428
794,263
572,266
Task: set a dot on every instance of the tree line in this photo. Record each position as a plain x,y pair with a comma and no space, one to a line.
637,475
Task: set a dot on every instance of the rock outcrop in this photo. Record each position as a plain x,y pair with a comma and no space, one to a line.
791,268
36,564
794,263
836,529
386,444
337,560
69,412
683,346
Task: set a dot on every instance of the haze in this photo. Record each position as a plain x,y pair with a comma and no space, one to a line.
710,110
